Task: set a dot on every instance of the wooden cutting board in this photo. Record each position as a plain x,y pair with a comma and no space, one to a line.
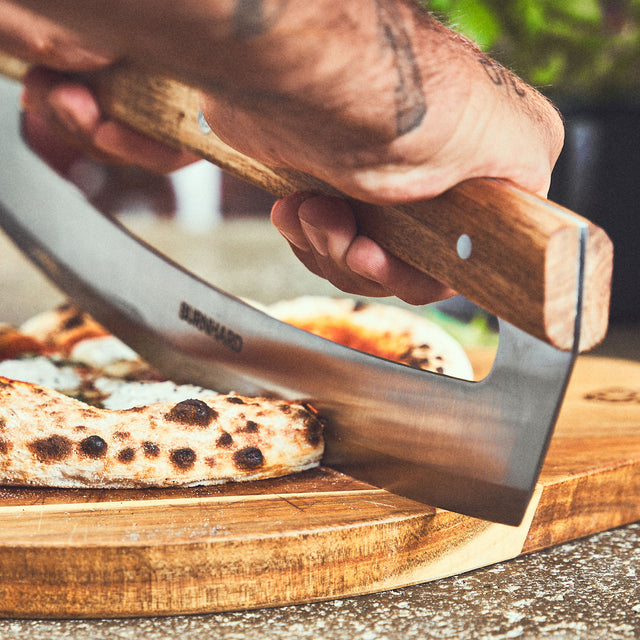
313,536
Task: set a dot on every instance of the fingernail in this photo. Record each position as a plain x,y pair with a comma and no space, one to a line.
316,237
297,241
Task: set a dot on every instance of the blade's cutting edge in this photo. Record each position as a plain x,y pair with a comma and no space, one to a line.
471,447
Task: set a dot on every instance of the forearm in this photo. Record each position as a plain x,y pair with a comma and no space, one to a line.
207,41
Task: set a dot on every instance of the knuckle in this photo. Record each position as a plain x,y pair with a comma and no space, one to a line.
43,48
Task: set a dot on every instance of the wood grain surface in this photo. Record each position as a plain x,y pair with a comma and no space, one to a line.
312,536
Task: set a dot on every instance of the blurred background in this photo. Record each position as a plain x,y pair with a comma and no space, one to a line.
583,54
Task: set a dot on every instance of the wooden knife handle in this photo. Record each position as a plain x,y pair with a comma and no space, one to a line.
518,255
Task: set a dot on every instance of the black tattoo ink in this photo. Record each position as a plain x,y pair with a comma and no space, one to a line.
252,19
501,77
410,102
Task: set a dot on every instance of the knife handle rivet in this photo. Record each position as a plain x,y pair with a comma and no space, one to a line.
464,246
202,123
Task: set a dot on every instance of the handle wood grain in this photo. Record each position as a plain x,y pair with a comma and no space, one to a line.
523,265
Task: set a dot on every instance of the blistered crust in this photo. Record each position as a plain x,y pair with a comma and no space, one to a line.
384,330
49,439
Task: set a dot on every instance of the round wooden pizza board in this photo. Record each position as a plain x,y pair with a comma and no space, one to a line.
312,536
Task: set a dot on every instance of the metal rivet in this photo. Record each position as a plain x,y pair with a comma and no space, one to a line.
464,246
203,124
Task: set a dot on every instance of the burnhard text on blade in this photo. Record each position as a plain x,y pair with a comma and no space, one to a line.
210,326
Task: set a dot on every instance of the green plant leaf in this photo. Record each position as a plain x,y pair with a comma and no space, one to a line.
477,21
531,15
548,74
581,47
583,10
439,6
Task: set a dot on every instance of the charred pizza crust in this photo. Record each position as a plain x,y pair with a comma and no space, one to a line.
88,417
59,330
49,439
384,330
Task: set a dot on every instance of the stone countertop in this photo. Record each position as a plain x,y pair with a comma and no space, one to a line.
583,589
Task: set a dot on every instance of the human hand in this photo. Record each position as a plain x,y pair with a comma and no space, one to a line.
322,233
62,119
35,39
457,115
375,97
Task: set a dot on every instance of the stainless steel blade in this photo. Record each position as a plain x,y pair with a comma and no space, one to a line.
474,448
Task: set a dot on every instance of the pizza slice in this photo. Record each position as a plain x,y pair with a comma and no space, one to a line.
390,332
78,408
50,439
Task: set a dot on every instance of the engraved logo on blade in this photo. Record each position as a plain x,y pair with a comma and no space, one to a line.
210,326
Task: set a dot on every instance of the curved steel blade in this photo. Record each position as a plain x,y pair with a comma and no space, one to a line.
474,448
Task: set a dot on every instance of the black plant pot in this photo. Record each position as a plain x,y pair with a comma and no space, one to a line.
598,176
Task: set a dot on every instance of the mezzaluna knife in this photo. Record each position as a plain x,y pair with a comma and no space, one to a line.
470,447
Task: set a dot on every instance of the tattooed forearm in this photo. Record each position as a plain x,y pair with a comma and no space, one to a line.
409,96
502,78
252,18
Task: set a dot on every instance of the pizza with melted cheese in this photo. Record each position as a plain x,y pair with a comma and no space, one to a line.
78,408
